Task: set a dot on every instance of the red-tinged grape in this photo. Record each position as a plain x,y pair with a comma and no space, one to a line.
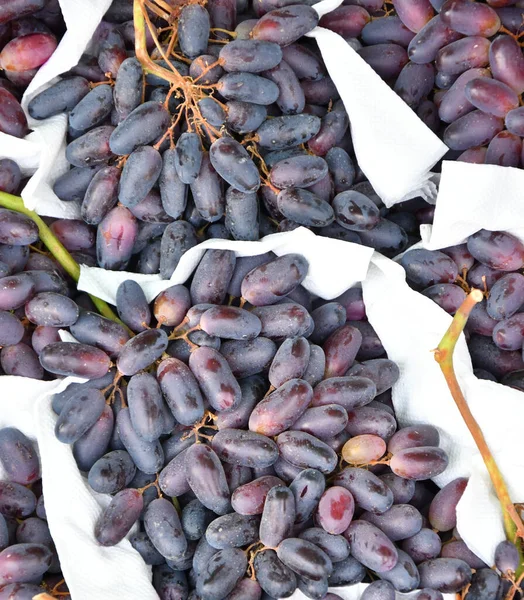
447,575
514,121
379,590
371,547
284,320
424,47
305,558
118,518
193,30
285,25
455,104
23,563
414,14
442,510
363,449
507,63
335,510
371,420
288,131
491,96
290,361
101,195
168,581
473,129
347,21
496,249
458,549
17,229
420,463
424,545
16,500
112,472
141,351
340,349
470,18
387,60
95,441
91,148
74,234
467,53
304,63
505,150
249,499
275,578
27,52
143,125
206,478
506,557
369,492
115,238
306,451
19,8
447,295
76,360
171,305
12,118
505,296
413,436
346,572
320,93
181,391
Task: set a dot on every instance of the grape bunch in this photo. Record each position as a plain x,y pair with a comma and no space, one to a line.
458,64
246,434
491,261
230,129
29,563
29,34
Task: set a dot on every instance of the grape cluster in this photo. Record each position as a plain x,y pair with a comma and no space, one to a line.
491,261
220,430
223,135
458,64
29,33
29,563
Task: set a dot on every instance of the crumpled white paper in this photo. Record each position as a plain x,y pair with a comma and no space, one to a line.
394,148
72,508
353,592
410,327
473,197
42,152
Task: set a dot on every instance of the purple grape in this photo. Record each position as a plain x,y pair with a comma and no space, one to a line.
207,479
447,575
371,547
147,456
143,125
306,451
506,296
164,529
141,351
370,492
419,463
193,30
118,518
424,545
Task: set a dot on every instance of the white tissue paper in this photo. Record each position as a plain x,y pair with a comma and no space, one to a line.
394,148
473,197
410,327
42,152
72,508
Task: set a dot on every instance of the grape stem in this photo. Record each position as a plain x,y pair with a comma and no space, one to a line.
56,248
513,525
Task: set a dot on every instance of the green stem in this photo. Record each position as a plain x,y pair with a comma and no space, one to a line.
56,248
513,525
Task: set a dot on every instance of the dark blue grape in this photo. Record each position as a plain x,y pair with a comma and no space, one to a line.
250,56
16,500
177,239
181,391
140,173
206,478
193,30
91,148
233,163
112,473
77,360
147,456
118,518
247,87
79,414
128,87
291,99
164,529
95,441
143,125
141,351
207,192
60,97
93,109
132,306
188,157
18,456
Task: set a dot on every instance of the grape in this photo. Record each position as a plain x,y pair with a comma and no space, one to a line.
347,21
141,351
428,267
388,29
16,500
447,575
247,87
470,19
101,194
278,411
514,121
335,546
307,489
112,473
22,591
505,296
171,305
387,60
222,573
379,590
188,157
92,109
50,309
246,358
139,175
285,132
323,422
303,61
91,148
442,510
290,361
285,25
147,456
346,572
10,176
403,489
19,8
414,14
215,378
306,451
246,589
132,306
79,414
491,96
423,545
250,56
145,406
245,117
335,509
181,391
144,124
291,99
363,449
278,516
212,276
485,355
424,47
242,215
18,456
348,392
341,169
355,211
419,463
164,529
316,366
178,237
172,479
207,192
507,63
332,129
506,557
77,360
458,549
381,371
91,328
11,329
505,150
95,441
404,575
233,163
474,129
21,360
244,448
341,348
17,229
27,52
274,577
447,296
497,250
371,547
195,518
414,83
321,92
119,516
232,531
193,30
169,583
206,478
249,498
298,171
369,492
24,562
455,103
127,93
173,192
386,237
400,522
74,235
413,437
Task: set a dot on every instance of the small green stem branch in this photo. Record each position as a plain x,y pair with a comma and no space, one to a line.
513,525
56,248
